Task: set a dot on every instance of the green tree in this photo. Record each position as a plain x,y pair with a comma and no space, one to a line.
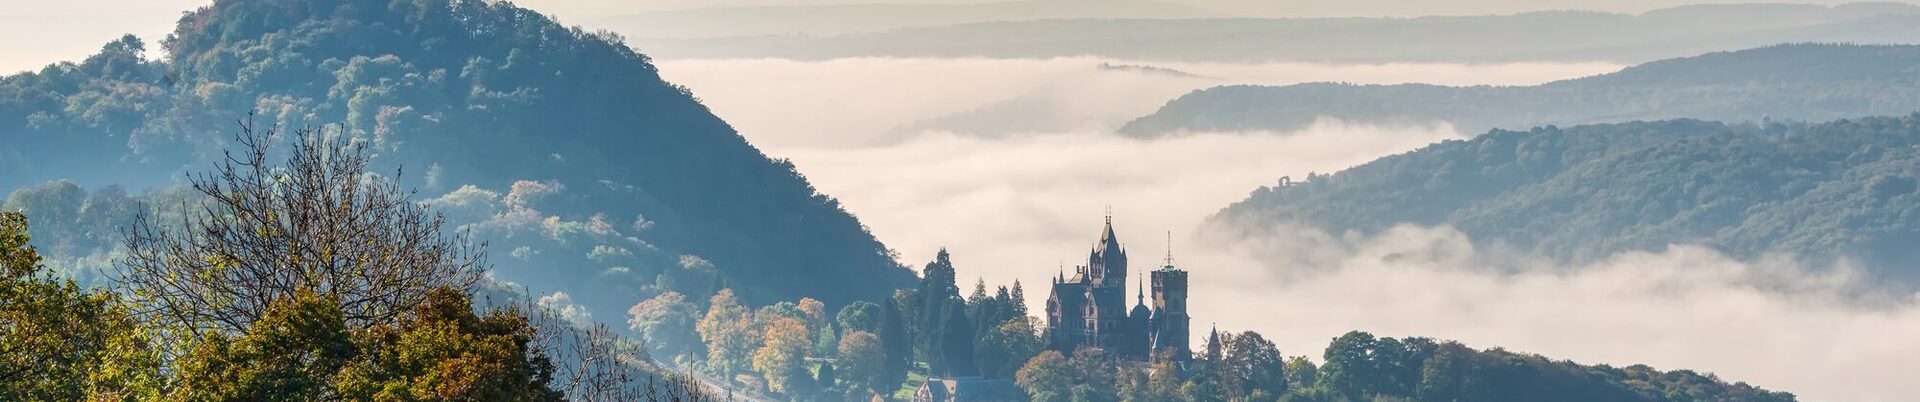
55,209
59,342
291,352
936,293
1003,349
1250,364
824,341
859,316
826,376
1350,368
667,323
953,353
1048,377
1301,373
898,344
443,351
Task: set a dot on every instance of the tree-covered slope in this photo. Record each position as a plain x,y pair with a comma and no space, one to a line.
1843,188
564,148
1809,82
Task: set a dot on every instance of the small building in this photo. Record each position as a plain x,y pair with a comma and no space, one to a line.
969,389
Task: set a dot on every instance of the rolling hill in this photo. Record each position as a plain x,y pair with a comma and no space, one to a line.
1814,192
565,149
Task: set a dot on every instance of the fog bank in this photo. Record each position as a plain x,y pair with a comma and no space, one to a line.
781,103
1024,201
1819,332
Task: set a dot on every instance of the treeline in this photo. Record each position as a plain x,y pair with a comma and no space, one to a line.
1803,82
1358,366
796,351
296,280
1815,191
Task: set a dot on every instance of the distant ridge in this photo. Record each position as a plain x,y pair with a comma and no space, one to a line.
1807,82
1535,36
1817,192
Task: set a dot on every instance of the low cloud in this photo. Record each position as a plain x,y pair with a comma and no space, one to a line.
1820,332
1016,208
1023,204
864,101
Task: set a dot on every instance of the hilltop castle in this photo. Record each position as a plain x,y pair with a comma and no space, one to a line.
1089,309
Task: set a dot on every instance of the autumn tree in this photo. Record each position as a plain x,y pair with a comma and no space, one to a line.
318,221
727,329
862,361
290,352
60,342
781,357
444,351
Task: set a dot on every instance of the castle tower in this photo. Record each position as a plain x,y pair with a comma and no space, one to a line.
1170,319
1107,263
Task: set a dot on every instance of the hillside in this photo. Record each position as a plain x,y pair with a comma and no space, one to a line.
1806,82
564,149
1816,191
1527,37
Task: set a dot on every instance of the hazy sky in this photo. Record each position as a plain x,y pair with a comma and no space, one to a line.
35,33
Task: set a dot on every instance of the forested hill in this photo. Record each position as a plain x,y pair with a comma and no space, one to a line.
1843,188
563,147
1809,82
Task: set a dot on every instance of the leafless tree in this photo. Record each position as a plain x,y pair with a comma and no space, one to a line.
264,230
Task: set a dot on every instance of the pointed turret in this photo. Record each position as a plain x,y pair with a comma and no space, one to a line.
1213,344
1108,259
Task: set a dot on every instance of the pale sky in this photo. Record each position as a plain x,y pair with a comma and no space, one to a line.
36,33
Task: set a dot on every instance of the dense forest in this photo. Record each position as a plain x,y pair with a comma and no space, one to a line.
561,147
1818,191
1805,82
798,350
1528,37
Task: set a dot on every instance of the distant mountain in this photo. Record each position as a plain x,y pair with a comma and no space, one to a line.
1539,36
1789,82
563,148
1816,191
841,19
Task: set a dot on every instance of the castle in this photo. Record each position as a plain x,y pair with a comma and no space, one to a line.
1089,309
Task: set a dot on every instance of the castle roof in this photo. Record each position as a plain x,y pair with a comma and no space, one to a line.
1109,244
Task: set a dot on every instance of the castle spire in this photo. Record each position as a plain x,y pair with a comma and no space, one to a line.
1140,290
1169,249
